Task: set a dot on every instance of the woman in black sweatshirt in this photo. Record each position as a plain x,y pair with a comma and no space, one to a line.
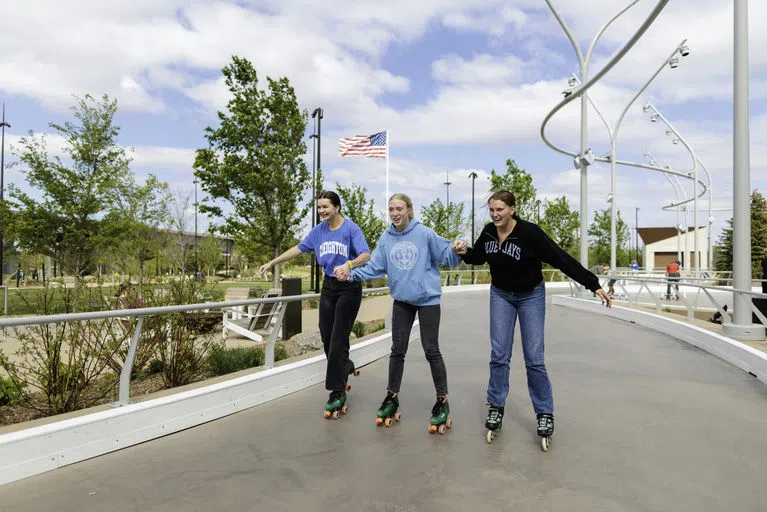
515,250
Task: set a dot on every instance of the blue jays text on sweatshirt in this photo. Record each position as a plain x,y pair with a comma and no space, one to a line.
410,258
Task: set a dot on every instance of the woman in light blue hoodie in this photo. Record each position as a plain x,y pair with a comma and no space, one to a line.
409,253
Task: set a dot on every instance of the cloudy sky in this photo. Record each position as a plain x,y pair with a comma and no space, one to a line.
461,86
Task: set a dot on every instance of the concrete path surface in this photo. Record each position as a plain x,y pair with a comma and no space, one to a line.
643,422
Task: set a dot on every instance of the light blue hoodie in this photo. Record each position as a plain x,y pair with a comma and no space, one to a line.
410,259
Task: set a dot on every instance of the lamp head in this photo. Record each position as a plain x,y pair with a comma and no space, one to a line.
654,118
674,62
684,50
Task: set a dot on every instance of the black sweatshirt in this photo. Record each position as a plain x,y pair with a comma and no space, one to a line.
515,266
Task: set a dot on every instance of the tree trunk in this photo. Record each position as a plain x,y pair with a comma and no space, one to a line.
276,270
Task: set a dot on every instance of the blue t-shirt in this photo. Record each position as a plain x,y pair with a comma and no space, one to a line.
334,248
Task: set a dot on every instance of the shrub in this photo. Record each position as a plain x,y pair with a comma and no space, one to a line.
9,392
313,303
62,367
280,352
155,366
225,360
358,329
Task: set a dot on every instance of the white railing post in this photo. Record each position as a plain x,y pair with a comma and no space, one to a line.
124,397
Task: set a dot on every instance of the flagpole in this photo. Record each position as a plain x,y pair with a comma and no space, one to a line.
388,143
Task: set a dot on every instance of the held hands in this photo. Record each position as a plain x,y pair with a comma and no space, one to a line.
606,300
459,247
342,272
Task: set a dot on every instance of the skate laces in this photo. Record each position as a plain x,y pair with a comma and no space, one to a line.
545,422
494,415
386,401
438,406
335,395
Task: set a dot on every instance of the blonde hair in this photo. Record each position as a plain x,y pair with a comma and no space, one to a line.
408,202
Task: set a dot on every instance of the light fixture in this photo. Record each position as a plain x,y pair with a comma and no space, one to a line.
654,163
675,141
674,62
669,132
684,50
572,82
654,118
646,108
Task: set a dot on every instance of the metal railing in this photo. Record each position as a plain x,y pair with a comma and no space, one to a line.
643,291
141,313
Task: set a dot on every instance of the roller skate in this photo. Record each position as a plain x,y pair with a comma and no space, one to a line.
336,405
494,422
352,371
388,410
439,413
545,429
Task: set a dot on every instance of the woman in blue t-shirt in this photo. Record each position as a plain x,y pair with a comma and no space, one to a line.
336,241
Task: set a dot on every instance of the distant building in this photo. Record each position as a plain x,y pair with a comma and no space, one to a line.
664,245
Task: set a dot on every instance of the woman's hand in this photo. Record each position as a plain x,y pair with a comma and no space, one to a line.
459,247
342,272
606,300
263,269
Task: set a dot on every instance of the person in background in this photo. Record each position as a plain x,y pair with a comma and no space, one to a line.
673,274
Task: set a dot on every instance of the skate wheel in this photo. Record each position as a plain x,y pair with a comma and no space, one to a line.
348,387
379,421
356,373
449,424
432,429
327,414
344,409
441,429
545,443
387,422
490,436
335,415
397,417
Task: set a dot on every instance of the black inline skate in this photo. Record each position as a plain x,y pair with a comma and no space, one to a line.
494,421
545,429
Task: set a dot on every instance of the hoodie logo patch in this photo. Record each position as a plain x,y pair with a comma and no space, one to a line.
404,255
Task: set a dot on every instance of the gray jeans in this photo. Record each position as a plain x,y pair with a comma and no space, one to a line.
403,316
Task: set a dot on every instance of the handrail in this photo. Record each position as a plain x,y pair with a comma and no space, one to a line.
141,313
644,281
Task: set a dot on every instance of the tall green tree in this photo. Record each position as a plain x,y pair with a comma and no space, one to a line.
76,193
758,237
561,224
518,181
447,221
356,207
140,221
599,231
209,254
254,162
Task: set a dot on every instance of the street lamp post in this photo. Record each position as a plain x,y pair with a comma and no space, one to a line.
196,255
3,126
473,176
314,207
678,138
636,233
318,114
447,205
584,159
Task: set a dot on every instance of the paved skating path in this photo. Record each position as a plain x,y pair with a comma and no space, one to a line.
643,422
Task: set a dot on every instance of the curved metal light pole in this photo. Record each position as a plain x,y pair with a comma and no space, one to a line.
657,115
583,161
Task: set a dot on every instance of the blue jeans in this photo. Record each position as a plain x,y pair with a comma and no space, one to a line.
531,309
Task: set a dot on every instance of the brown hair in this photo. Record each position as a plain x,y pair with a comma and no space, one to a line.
408,202
506,197
332,197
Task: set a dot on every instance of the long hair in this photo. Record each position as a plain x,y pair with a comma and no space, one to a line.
332,196
408,202
506,197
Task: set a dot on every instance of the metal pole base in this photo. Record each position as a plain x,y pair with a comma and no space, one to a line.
752,332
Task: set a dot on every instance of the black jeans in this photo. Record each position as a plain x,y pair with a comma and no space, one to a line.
673,279
403,316
339,303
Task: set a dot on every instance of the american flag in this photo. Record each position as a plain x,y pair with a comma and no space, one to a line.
373,146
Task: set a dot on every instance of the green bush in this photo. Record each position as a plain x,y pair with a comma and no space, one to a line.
155,366
9,393
225,360
280,352
358,329
313,303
